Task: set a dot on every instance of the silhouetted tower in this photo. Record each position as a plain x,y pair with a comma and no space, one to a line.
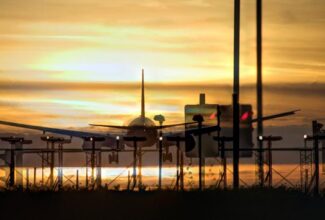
199,119
259,85
316,157
236,95
94,151
160,119
16,145
135,141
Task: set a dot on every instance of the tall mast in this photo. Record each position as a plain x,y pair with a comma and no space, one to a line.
142,97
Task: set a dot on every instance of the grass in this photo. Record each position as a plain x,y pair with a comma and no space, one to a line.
251,203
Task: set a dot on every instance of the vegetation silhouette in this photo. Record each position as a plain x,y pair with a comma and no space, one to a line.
245,203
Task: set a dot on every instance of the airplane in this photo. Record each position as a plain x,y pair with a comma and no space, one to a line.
141,126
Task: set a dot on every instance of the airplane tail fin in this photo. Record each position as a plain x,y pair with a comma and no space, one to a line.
142,97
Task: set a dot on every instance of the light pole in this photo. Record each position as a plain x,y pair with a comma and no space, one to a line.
117,142
179,161
261,160
160,119
236,95
135,140
160,162
259,88
199,119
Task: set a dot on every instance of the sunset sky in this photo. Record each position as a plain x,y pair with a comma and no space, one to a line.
70,63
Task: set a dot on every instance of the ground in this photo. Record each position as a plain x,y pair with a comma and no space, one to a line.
251,203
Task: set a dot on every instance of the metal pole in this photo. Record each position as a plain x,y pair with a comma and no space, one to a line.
177,164
236,95
60,165
236,45
140,168
316,189
12,167
221,143
316,158
27,178
261,161
87,178
47,155
200,155
99,169
77,180
35,176
305,167
259,68
93,164
160,161
19,164
129,180
118,143
52,165
182,171
235,142
259,82
224,163
134,164
160,119
42,171
270,162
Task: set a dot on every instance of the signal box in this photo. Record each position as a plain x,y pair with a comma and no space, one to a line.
209,113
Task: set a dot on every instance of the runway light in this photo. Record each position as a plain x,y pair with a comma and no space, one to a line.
117,138
160,138
260,138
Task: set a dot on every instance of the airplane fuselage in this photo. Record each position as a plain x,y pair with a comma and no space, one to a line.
143,127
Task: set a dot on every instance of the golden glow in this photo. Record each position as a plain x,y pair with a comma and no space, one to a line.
173,41
114,176
178,43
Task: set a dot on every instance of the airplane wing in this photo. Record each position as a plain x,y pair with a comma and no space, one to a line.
111,126
155,127
193,131
175,125
71,133
283,114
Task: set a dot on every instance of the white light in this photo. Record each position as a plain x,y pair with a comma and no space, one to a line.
305,136
47,137
260,138
117,138
160,138
91,139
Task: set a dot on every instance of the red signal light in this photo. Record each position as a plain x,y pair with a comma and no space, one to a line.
245,116
213,116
